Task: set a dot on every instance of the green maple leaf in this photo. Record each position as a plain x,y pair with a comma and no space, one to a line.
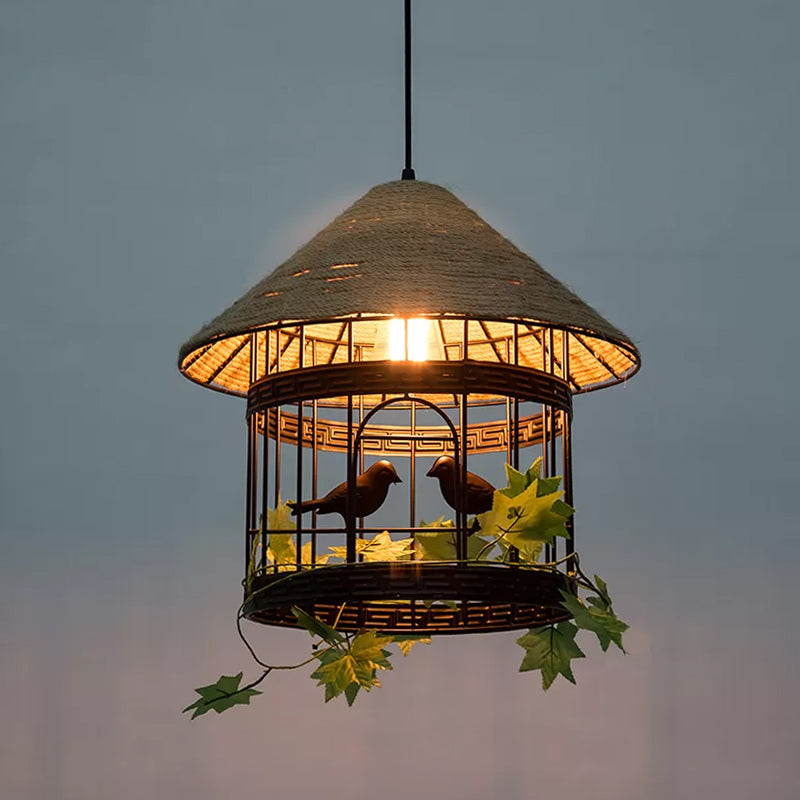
562,509
435,546
547,485
305,556
341,552
441,545
280,517
475,546
349,693
221,696
316,627
383,548
550,650
528,551
251,564
526,517
380,548
439,522
602,590
369,646
347,669
335,673
519,481
534,471
519,487
598,617
405,641
281,549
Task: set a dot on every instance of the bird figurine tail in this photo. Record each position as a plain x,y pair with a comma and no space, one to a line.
304,507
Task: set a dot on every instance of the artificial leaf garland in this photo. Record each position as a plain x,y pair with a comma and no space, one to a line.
525,515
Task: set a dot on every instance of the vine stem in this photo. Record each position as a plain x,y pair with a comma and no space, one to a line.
249,685
241,689
338,616
587,583
270,667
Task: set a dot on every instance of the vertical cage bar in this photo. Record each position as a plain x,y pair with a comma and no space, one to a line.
265,456
461,492
515,453
314,462
360,420
299,452
552,426
566,450
510,432
278,424
253,379
360,454
546,432
552,371
248,503
545,471
251,499
412,480
252,489
512,417
350,532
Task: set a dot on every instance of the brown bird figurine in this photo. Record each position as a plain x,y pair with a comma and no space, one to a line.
480,493
371,489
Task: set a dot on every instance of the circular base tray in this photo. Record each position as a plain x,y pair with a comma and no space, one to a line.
412,597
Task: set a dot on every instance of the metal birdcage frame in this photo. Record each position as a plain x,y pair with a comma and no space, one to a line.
410,596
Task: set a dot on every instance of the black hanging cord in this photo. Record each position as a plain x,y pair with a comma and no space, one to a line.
408,172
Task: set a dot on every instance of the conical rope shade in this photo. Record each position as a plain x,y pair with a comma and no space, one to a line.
410,248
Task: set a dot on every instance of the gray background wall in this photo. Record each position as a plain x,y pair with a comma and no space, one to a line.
158,158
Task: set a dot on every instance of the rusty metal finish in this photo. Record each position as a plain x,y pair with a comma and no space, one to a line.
400,597
391,378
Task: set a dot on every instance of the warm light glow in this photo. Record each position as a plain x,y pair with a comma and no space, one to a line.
397,339
419,335
413,340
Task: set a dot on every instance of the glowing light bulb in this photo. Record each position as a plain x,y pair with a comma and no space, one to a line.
419,332
412,340
397,339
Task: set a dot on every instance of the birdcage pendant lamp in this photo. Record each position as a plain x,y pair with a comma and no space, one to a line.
392,366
